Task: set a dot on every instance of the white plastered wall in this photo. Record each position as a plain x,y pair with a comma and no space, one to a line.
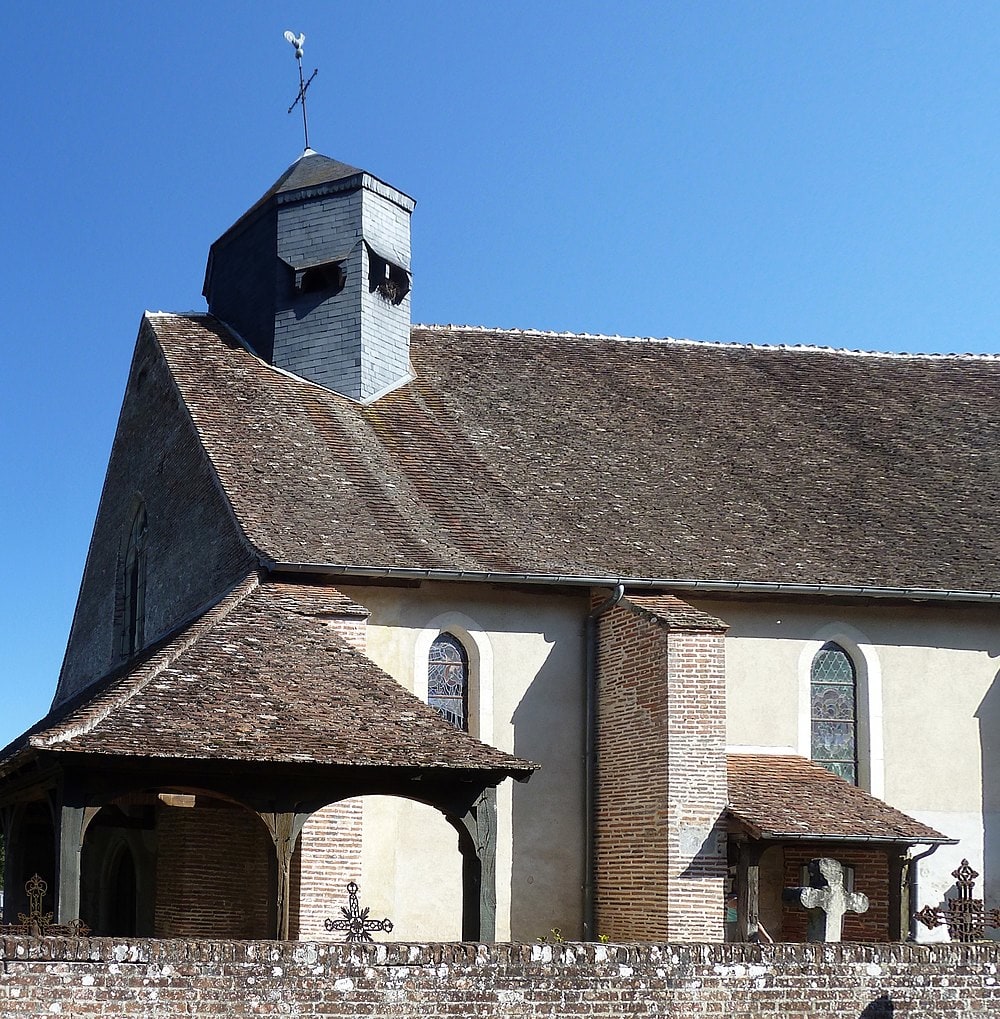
526,661
929,708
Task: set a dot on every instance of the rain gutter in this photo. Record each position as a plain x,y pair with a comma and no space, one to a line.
884,839
913,879
611,580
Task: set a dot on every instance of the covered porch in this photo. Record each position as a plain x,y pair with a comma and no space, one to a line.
785,811
171,800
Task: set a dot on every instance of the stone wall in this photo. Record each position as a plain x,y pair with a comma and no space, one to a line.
194,549
94,978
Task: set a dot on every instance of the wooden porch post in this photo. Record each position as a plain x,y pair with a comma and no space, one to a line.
7,825
481,823
748,889
69,843
285,829
899,907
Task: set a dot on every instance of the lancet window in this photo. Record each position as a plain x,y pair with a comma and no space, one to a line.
134,584
448,680
834,709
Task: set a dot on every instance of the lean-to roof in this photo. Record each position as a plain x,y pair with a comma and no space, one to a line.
787,797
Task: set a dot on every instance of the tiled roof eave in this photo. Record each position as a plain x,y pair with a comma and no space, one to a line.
666,583
763,834
516,769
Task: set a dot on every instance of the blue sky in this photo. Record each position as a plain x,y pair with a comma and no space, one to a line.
770,172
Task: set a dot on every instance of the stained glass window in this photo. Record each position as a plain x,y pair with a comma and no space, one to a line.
448,680
134,584
833,694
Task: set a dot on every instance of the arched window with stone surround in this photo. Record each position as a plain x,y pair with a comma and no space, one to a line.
833,687
448,680
134,584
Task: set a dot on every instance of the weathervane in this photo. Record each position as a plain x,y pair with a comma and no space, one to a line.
297,41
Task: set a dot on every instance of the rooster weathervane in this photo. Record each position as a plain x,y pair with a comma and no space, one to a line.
297,41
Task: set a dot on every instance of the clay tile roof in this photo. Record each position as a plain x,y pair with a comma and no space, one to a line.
676,613
599,457
786,797
264,676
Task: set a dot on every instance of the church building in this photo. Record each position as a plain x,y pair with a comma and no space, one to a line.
517,631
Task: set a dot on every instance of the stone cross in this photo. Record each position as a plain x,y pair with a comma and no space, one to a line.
827,900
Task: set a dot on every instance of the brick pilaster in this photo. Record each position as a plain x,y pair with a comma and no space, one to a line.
661,773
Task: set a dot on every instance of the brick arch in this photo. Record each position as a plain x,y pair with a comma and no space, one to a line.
419,869
215,870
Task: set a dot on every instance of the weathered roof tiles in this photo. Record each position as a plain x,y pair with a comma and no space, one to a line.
583,456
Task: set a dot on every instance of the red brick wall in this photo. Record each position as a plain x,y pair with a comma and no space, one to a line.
871,876
104,978
327,857
698,791
630,830
213,873
661,780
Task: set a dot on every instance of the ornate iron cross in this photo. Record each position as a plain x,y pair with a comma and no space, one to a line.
966,917
355,920
38,924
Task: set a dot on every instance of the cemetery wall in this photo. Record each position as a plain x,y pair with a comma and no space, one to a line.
102,977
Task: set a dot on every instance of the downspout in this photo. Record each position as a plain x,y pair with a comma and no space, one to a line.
590,757
912,889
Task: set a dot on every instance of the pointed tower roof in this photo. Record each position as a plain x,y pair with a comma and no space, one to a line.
311,169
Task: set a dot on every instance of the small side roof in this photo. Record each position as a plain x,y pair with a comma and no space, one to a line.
787,797
676,614
265,676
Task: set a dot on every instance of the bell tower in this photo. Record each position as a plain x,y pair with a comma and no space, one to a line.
315,277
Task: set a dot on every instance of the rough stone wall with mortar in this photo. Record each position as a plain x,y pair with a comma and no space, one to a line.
871,876
661,774
212,874
104,978
195,550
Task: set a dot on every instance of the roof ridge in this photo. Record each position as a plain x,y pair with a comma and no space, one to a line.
135,682
806,348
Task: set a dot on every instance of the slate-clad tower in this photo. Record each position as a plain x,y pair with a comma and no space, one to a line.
315,277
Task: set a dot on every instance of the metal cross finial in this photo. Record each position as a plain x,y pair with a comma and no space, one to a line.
297,41
967,918
355,920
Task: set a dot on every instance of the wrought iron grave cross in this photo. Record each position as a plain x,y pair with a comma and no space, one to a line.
355,920
827,900
37,924
966,917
